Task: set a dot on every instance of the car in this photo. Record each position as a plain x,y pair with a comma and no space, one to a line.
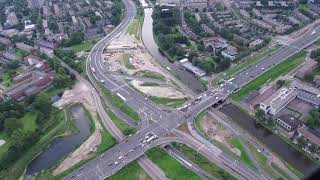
131,150
102,80
120,157
217,97
116,162
258,150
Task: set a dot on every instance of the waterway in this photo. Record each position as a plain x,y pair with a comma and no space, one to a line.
148,39
270,140
62,146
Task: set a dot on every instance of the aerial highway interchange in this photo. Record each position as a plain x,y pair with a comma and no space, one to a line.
162,123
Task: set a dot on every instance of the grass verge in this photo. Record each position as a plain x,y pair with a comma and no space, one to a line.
280,171
171,167
203,162
119,103
244,157
168,102
131,172
86,46
125,128
198,120
262,159
281,69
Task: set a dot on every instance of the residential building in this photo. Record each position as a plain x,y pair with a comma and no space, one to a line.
261,24
25,47
293,21
245,14
288,122
10,56
255,43
56,9
35,3
5,41
256,13
316,80
229,53
278,100
47,44
12,20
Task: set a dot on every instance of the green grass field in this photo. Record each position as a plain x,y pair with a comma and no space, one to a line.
203,162
126,129
130,172
198,120
246,63
168,102
150,74
29,121
244,157
6,80
281,69
86,46
171,167
135,27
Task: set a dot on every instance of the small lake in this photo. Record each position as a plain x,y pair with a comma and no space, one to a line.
62,146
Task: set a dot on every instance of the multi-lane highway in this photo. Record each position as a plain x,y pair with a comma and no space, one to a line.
162,123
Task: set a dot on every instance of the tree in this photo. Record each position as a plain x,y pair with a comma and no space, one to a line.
314,118
313,148
61,81
302,142
259,114
280,83
11,124
303,1
42,104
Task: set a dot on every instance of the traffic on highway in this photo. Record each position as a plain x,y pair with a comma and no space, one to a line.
162,122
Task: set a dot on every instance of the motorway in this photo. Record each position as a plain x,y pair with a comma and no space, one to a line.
162,123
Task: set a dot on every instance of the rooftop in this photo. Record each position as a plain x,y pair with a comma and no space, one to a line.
280,98
290,120
194,69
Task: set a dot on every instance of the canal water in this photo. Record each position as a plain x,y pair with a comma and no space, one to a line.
147,35
60,147
273,142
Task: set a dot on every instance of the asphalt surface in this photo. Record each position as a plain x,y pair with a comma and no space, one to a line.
126,151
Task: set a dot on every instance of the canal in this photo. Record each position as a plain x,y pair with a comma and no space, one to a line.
62,146
271,141
148,39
